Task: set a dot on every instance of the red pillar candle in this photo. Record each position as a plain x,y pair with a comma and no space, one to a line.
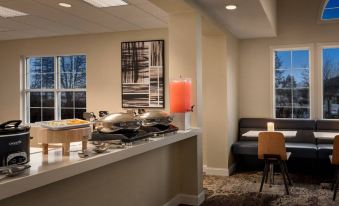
180,95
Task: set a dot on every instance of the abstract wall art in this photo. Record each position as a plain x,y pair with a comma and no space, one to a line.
142,75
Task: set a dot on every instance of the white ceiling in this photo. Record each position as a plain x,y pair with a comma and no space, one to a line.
47,18
252,18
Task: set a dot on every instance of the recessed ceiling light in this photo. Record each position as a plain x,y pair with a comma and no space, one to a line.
231,7
65,5
106,3
7,12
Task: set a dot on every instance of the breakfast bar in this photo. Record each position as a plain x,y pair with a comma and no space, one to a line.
159,171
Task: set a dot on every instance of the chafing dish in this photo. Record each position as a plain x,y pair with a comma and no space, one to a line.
155,117
117,121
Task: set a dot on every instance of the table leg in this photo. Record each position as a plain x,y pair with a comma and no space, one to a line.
45,149
84,144
65,148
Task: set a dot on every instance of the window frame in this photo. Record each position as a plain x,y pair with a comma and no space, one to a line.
321,12
273,49
56,90
321,76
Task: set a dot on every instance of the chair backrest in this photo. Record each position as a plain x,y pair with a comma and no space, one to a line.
335,153
271,143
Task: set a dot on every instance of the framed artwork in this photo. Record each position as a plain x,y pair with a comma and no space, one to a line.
142,75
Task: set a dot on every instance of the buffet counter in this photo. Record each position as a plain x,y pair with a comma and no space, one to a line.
162,171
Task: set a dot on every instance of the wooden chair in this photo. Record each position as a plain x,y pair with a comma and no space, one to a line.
271,149
335,161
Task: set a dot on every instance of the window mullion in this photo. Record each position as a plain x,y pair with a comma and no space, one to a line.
292,85
56,87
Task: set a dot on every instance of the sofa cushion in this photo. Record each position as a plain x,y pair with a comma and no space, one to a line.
302,150
324,150
327,126
304,128
245,148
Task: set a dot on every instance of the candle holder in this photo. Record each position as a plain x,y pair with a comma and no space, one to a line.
270,126
180,102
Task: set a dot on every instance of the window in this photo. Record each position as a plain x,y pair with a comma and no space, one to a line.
330,66
55,88
331,10
292,79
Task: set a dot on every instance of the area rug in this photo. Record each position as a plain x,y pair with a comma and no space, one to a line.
242,190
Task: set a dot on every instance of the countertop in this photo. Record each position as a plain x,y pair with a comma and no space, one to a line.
46,169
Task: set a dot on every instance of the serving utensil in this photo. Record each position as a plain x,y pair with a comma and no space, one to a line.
14,170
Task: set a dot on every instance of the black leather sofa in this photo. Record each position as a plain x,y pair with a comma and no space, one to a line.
303,146
325,146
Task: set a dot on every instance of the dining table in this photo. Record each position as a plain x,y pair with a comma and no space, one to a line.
325,135
255,133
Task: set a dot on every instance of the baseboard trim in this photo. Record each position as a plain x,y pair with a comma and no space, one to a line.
219,171
186,199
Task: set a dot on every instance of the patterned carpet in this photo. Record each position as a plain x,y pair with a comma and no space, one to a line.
242,190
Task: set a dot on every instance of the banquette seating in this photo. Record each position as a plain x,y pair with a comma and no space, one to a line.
303,146
325,146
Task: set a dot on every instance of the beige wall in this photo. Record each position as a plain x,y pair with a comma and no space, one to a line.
220,92
103,66
215,101
232,58
270,8
297,25
183,51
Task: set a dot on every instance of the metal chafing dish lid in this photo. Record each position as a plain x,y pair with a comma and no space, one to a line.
154,114
154,117
118,118
117,121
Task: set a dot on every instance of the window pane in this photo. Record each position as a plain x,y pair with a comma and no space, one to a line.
67,80
283,112
47,114
302,113
301,78
80,99
66,64
35,81
331,107
283,97
80,64
34,65
48,99
79,113
35,99
67,113
301,97
67,99
48,65
331,83
283,60
300,59
35,115
80,80
283,79
47,81
73,72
